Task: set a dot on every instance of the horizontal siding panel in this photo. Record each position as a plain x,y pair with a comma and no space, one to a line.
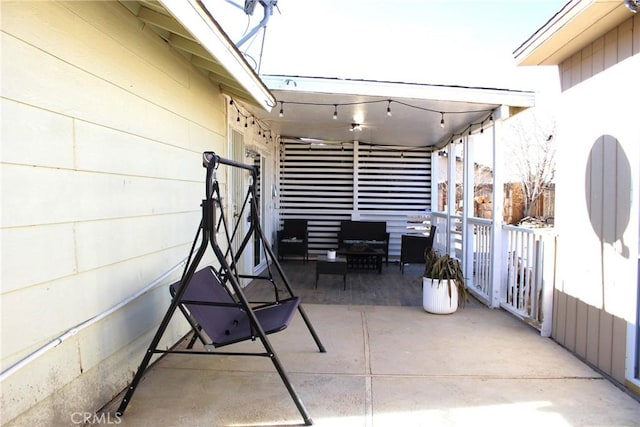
68,301
313,207
400,163
389,176
314,174
52,246
36,137
318,196
33,196
97,246
91,95
386,188
97,147
159,78
304,186
317,184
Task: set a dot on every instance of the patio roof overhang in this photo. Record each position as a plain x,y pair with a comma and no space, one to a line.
308,105
576,25
310,102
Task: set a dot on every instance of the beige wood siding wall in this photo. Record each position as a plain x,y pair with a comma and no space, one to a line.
103,126
595,206
614,47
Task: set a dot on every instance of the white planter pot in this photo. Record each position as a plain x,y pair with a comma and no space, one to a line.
435,296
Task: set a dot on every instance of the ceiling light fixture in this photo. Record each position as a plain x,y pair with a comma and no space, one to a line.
335,112
281,109
355,126
389,108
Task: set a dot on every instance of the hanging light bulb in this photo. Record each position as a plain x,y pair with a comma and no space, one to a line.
281,109
389,108
335,112
441,120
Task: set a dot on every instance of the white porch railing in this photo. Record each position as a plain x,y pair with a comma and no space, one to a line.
479,238
528,275
527,270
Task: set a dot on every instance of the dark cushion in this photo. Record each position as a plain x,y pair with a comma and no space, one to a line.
358,230
229,324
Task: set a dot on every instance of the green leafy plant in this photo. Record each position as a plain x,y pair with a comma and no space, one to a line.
443,267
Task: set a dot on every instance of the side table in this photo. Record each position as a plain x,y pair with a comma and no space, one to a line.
325,265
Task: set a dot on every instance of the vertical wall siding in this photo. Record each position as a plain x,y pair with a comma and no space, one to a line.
103,126
593,333
332,182
603,53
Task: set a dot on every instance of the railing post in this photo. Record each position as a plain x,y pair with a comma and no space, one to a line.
451,197
468,243
497,204
549,245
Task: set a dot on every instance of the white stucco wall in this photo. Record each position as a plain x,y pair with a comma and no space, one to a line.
103,127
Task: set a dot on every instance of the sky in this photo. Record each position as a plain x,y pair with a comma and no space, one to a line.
452,42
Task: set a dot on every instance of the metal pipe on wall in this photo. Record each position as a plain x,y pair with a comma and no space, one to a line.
73,331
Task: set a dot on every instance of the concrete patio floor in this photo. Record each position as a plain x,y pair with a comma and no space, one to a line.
386,366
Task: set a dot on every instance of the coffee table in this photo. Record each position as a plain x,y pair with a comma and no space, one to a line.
362,256
338,265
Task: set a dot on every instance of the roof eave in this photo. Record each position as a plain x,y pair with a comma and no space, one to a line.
514,98
576,25
198,22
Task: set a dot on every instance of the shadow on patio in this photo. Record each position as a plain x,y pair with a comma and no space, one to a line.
387,363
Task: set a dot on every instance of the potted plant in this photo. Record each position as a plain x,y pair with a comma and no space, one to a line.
443,284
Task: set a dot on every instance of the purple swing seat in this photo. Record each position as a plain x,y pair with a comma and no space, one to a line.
212,307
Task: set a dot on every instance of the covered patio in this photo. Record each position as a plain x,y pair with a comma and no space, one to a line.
387,363
374,150
187,89
411,155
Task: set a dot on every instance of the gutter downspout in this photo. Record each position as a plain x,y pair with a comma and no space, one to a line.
73,331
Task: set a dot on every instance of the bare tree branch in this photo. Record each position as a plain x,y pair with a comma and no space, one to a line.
531,148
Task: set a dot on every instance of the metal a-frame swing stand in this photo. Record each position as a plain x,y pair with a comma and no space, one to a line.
251,315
